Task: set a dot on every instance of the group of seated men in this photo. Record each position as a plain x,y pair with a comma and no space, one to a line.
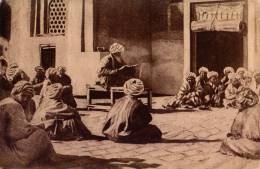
32,113
209,90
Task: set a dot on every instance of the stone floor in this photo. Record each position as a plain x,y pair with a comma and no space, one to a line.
191,139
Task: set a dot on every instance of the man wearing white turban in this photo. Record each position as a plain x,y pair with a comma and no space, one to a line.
112,69
187,95
128,120
212,94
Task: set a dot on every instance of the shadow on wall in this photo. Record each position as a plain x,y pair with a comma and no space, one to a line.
5,20
167,46
167,65
69,161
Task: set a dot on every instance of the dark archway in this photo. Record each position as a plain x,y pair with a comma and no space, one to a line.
5,20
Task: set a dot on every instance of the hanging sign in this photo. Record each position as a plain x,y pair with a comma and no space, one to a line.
227,16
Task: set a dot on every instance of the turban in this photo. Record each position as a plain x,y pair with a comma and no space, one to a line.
133,87
190,75
13,65
53,91
257,77
116,48
212,74
228,70
249,74
232,76
23,87
12,71
203,69
50,72
240,70
39,68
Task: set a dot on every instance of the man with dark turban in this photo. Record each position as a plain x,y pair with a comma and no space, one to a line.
21,143
244,137
38,79
61,121
187,95
128,120
112,69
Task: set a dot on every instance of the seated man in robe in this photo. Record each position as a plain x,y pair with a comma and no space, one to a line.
37,81
202,79
249,81
65,80
241,74
243,139
257,81
128,120
60,120
225,80
50,78
187,95
232,89
5,85
16,74
21,143
212,94
112,69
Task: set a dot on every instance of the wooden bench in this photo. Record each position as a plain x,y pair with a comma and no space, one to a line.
115,91
97,92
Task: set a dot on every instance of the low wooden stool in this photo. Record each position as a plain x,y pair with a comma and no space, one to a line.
96,92
120,90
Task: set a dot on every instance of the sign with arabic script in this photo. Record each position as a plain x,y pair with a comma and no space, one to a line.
226,16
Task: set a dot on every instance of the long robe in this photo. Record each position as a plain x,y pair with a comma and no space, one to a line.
212,95
61,121
21,144
128,121
5,87
187,95
67,94
109,74
38,83
244,138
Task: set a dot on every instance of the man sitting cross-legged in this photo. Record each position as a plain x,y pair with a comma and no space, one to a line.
187,95
128,120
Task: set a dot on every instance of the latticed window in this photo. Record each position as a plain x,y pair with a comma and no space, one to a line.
48,17
57,17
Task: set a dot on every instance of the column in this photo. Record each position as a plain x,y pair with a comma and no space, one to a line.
187,47
251,34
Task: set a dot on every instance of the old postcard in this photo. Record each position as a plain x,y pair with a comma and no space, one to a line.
111,84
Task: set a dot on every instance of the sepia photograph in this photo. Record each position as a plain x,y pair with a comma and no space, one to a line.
129,84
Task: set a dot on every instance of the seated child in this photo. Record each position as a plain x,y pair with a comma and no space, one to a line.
241,74
225,80
249,81
201,80
212,94
231,90
187,95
